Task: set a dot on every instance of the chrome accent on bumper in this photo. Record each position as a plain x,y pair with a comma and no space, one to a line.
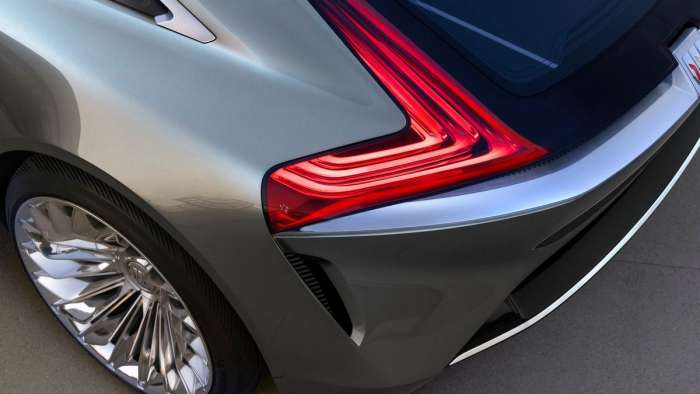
563,180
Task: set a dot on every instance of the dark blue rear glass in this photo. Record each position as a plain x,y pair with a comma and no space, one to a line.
527,46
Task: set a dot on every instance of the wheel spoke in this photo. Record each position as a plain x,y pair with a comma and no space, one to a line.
188,375
166,351
63,269
103,325
59,217
148,343
92,289
42,222
124,340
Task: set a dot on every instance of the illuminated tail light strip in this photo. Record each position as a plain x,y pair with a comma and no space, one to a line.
450,138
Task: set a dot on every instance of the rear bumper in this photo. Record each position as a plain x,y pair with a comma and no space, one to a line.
612,223
418,279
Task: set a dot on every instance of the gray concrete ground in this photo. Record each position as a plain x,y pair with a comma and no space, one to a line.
635,328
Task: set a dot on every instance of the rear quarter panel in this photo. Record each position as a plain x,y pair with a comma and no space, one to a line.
188,131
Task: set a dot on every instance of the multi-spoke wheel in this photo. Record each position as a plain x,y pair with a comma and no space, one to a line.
111,297
132,300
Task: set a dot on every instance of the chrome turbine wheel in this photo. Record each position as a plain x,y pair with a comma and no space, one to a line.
111,298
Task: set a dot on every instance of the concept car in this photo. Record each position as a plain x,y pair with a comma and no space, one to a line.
350,194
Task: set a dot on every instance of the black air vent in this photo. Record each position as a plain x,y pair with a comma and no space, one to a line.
310,271
151,8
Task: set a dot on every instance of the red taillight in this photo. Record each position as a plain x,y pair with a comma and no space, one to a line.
451,138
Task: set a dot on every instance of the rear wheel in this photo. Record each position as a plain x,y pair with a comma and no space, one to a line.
123,288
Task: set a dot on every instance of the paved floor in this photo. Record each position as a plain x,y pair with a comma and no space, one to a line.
635,328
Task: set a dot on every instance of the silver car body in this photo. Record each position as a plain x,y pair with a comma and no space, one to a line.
188,131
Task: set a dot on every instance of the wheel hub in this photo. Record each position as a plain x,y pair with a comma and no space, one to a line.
142,276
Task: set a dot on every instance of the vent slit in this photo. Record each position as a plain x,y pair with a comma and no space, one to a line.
314,277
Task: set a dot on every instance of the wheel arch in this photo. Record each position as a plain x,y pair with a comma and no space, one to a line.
15,152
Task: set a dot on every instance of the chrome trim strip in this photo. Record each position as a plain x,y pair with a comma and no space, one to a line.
594,271
181,20
561,181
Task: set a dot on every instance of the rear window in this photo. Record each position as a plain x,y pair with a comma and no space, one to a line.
527,46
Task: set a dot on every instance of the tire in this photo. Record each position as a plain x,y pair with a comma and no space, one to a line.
237,363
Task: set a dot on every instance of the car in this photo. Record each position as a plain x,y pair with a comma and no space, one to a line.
351,195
